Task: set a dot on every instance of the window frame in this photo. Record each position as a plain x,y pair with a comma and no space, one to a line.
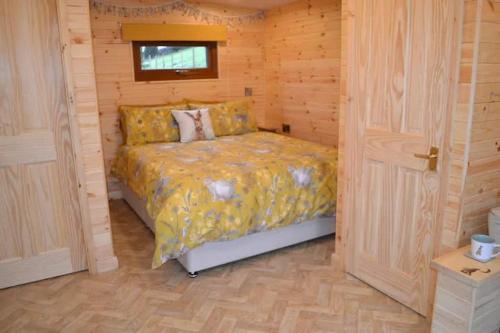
211,72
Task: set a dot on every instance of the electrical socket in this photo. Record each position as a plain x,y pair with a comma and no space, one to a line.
285,128
248,91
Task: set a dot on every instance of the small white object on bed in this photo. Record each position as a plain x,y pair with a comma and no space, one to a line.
214,254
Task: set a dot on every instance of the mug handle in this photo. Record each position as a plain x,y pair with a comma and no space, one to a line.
496,246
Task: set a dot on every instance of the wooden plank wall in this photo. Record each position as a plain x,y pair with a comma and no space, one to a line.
241,64
74,17
461,119
302,49
345,201
482,184
474,179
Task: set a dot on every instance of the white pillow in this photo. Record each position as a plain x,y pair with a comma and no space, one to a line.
194,125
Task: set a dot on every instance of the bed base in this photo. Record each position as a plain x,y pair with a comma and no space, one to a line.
218,253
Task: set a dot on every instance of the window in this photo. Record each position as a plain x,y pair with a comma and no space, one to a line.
155,61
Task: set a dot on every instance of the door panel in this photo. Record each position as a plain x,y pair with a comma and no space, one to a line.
40,226
399,82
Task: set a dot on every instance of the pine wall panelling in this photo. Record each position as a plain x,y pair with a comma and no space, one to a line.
302,49
474,178
241,64
74,25
345,156
291,60
462,111
482,184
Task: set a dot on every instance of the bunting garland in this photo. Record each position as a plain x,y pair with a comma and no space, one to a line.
181,6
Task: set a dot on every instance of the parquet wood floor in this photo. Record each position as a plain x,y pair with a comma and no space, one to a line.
296,289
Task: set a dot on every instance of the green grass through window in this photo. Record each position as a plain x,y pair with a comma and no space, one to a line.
178,57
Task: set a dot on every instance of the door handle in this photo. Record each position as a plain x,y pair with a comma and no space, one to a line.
432,157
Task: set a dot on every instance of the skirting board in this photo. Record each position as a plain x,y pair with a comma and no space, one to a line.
218,253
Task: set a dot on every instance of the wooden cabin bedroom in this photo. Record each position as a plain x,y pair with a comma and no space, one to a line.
250,166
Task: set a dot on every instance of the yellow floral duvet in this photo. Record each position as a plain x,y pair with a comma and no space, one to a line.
206,191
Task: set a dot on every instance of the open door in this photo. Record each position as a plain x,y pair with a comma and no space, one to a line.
40,221
400,67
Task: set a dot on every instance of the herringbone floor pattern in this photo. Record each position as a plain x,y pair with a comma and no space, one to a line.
296,289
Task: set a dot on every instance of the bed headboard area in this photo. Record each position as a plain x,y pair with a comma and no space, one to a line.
283,63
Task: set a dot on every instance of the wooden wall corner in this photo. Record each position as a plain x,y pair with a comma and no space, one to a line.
78,62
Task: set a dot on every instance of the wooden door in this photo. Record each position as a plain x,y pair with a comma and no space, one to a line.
40,224
401,63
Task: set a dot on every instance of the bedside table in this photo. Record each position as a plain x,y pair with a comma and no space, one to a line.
467,294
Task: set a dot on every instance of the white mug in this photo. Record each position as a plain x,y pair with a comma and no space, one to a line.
483,246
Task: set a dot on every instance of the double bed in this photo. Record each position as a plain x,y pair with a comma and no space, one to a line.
217,201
